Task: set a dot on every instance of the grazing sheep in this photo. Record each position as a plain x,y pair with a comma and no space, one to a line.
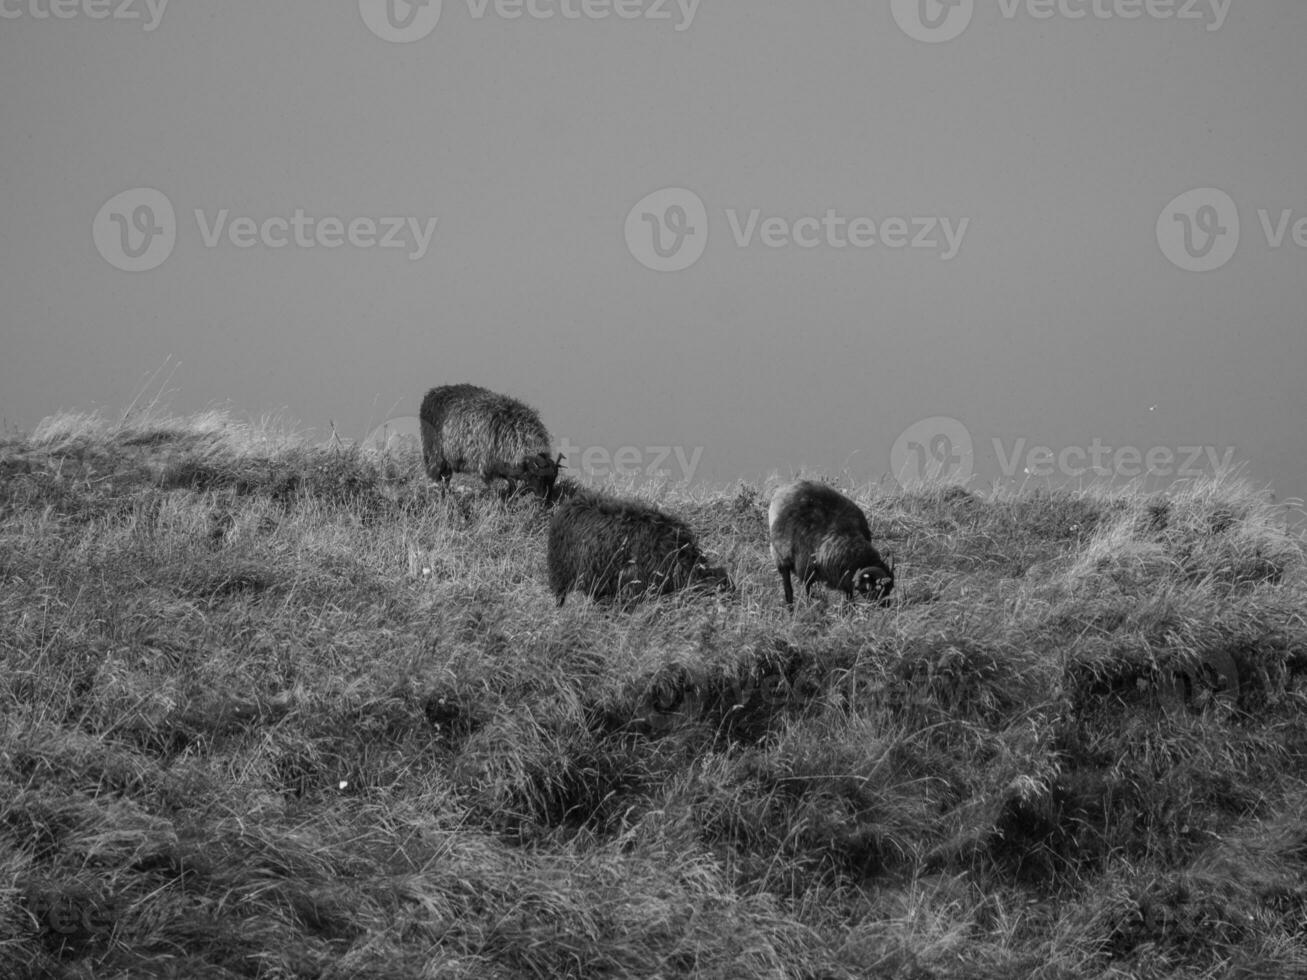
819,533
624,548
467,429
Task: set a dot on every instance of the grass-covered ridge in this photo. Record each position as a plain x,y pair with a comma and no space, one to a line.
275,710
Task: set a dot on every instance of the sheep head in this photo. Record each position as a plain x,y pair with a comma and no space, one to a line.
538,472
875,582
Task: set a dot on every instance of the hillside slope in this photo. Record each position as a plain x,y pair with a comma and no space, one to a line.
268,710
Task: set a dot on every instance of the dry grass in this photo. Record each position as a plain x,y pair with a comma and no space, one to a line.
270,710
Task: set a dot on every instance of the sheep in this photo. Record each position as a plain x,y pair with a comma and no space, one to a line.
605,548
822,535
468,429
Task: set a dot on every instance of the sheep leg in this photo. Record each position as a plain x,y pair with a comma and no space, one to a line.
786,584
442,473
810,580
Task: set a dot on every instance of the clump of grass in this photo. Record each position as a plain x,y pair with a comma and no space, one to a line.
273,709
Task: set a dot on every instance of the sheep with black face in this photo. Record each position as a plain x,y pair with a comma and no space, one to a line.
822,535
624,549
468,429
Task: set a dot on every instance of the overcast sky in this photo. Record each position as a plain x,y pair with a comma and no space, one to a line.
888,232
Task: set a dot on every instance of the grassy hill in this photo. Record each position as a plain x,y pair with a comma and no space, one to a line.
269,710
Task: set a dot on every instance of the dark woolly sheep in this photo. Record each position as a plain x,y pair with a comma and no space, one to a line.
626,549
823,535
467,429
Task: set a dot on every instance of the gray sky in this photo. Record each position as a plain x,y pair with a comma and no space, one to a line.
1052,147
